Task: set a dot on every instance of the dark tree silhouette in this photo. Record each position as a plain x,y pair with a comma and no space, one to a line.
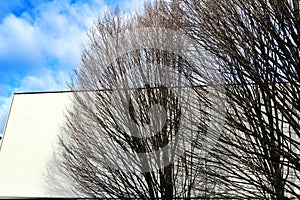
121,88
256,47
136,113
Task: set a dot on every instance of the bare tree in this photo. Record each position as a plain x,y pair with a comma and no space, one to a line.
256,46
135,117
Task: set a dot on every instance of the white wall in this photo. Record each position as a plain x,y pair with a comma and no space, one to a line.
30,140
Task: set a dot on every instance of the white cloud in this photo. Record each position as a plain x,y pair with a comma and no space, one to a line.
56,34
132,5
4,108
46,81
19,41
63,29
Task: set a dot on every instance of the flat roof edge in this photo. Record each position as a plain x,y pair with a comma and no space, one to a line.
43,92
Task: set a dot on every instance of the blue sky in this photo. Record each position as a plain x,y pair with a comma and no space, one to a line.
41,42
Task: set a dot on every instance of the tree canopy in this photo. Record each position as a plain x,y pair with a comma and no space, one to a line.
189,99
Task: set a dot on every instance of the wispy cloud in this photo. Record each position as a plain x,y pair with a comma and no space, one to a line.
41,43
4,107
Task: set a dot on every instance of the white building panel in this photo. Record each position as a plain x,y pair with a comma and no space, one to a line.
29,143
